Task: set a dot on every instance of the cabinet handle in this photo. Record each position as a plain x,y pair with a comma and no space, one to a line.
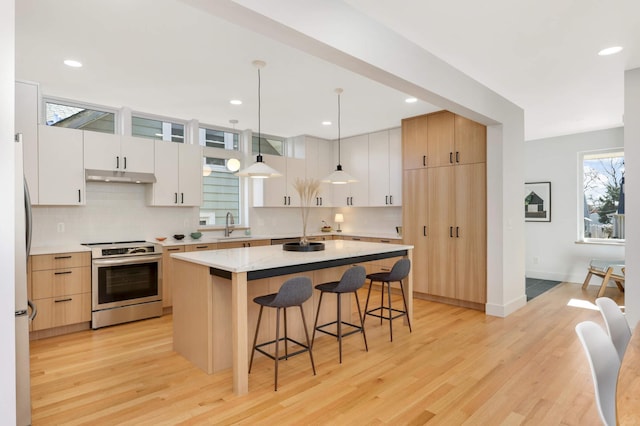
391,199
424,160
320,200
173,249
451,157
284,200
451,232
424,231
63,273
125,162
457,156
182,198
175,196
386,200
385,241
63,300
79,198
62,257
457,232
117,162
201,247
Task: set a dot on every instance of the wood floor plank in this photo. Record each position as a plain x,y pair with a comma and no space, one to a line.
458,366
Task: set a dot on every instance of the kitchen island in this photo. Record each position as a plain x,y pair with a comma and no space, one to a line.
212,309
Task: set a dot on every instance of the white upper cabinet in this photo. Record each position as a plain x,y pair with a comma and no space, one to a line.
385,168
319,164
279,191
104,151
354,157
178,174
60,171
27,100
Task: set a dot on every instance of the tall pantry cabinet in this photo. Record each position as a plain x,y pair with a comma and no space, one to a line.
444,206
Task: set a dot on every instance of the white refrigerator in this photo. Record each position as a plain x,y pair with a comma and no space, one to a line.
25,311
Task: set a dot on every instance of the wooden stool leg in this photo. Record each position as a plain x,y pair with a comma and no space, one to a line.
605,281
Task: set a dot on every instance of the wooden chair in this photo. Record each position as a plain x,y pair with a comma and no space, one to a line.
605,269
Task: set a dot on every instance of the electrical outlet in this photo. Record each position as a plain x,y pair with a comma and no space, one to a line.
536,260
61,227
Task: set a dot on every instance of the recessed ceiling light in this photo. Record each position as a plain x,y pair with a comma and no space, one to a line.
72,63
235,102
326,123
610,50
411,100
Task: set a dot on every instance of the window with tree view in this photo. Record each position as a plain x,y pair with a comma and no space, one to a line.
603,195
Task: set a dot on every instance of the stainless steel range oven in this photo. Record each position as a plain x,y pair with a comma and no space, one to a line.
126,282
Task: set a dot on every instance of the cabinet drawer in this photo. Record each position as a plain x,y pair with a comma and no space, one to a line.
60,260
60,282
61,311
196,247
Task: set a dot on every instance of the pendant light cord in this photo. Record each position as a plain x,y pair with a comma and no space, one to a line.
259,114
339,162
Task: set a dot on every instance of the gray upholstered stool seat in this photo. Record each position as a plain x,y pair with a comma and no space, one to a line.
353,279
293,292
398,273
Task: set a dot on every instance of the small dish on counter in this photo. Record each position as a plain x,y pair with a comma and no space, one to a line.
196,235
178,236
161,239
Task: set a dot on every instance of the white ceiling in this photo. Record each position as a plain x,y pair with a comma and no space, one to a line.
167,58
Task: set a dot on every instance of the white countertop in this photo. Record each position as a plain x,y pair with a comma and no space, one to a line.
268,257
170,241
65,248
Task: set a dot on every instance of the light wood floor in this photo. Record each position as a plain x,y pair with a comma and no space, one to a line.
457,367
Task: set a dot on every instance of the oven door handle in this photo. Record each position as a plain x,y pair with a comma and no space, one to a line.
129,260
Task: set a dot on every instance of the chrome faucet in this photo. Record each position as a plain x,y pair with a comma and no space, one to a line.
228,227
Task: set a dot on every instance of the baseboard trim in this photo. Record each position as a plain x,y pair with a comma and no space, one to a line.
506,309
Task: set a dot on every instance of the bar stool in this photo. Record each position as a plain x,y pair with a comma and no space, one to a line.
353,279
293,292
398,273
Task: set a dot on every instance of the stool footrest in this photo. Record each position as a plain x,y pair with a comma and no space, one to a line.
304,349
356,329
370,312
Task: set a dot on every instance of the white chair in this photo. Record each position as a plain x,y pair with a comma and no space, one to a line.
605,365
616,323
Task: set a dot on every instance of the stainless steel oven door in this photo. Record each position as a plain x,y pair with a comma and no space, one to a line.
125,281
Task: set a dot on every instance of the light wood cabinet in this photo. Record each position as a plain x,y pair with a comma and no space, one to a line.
26,120
61,289
201,247
104,151
168,274
241,244
414,147
414,224
61,178
444,210
178,171
385,168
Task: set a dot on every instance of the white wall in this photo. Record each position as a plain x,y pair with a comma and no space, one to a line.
632,191
553,243
7,219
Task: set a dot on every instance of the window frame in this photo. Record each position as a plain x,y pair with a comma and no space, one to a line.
162,118
219,129
117,115
581,197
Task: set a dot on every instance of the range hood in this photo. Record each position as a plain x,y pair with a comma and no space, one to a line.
92,175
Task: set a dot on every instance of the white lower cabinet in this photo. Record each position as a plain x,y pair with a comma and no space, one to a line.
178,175
61,178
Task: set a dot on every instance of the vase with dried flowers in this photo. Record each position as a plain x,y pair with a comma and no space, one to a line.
308,189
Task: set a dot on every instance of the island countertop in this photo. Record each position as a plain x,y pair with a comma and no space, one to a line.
271,257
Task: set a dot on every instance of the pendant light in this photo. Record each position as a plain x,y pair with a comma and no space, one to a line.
339,176
259,169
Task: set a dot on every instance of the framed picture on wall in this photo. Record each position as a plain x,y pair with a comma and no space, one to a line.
537,202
